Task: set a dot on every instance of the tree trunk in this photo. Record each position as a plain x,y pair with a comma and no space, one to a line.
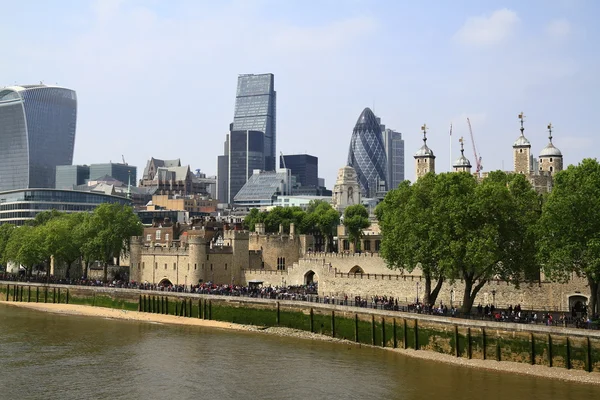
436,291
470,293
594,287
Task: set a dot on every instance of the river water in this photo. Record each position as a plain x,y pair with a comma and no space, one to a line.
45,355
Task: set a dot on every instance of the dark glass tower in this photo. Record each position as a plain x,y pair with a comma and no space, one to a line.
367,154
255,110
37,133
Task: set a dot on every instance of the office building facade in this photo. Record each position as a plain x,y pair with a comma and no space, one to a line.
367,154
394,151
37,133
255,110
122,172
246,154
68,176
303,166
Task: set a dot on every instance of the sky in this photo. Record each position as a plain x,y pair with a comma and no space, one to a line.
157,78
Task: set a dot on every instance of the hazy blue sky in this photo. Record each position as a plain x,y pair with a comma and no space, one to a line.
158,78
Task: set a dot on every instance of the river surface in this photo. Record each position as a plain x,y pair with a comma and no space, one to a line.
51,356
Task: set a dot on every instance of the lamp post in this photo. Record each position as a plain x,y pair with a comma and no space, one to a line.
417,292
494,297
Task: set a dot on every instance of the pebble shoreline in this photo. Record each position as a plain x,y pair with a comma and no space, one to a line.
502,366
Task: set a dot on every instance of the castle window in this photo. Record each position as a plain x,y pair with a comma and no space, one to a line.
148,237
377,245
158,235
281,263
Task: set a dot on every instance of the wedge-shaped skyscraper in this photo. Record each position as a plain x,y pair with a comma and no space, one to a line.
367,154
37,133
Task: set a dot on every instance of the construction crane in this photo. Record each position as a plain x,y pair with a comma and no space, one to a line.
282,159
478,167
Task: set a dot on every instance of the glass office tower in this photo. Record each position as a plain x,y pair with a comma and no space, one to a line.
367,154
37,133
255,109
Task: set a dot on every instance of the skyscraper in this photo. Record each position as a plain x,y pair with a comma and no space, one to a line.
37,133
304,167
246,153
394,151
367,154
255,110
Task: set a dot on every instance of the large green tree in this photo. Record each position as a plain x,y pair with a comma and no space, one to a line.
356,218
484,228
409,235
322,217
110,229
569,229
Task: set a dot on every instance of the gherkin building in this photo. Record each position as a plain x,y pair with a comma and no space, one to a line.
367,154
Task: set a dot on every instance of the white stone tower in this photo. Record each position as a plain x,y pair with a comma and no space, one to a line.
424,158
462,163
551,159
522,152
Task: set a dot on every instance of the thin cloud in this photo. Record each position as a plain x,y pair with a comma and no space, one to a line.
488,30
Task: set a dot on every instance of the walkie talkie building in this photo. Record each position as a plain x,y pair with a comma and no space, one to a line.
367,154
37,133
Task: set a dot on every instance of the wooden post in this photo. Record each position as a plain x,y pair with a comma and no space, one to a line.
589,354
469,345
498,350
277,315
568,360
373,330
456,349
483,343
532,351
332,323
405,333
395,336
311,321
550,358
416,334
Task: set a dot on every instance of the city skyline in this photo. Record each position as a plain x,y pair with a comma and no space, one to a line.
443,64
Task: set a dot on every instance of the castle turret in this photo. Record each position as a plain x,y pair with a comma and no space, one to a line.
424,157
462,164
551,159
522,152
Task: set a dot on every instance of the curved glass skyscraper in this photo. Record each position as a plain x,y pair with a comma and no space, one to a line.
37,133
367,154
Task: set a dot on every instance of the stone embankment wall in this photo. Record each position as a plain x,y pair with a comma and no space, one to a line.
533,344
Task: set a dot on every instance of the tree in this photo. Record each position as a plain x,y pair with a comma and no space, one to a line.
356,218
62,240
569,228
407,223
321,216
25,248
110,229
483,229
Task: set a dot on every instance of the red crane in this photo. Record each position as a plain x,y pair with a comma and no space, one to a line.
478,167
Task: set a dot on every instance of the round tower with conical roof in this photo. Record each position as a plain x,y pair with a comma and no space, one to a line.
462,163
551,159
424,157
522,152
